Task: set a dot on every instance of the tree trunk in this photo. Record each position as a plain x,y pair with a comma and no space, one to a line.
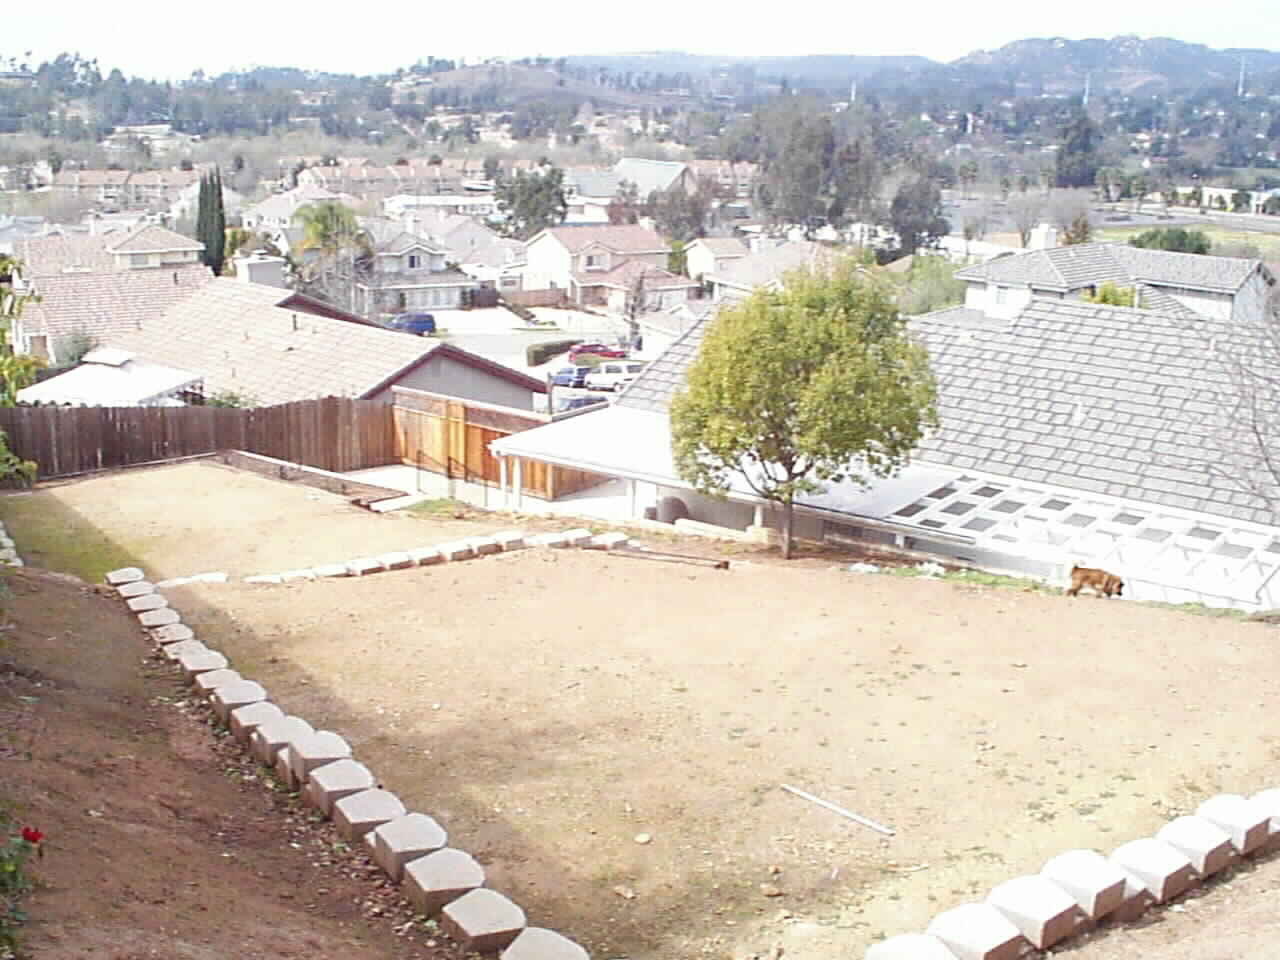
788,515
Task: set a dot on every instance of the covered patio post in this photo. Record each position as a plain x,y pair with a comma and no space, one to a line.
502,480
518,483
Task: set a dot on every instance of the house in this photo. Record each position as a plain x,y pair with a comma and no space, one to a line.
661,328
273,217
500,265
461,204
185,203
123,188
406,272
113,378
764,267
1221,287
89,287
588,194
560,257
660,176
656,287
1080,433
711,255
270,346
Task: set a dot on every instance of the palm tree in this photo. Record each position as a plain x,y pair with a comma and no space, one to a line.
332,232
327,226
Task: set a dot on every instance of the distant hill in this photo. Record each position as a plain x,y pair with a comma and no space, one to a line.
516,84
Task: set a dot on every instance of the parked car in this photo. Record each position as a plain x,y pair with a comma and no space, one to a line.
596,349
419,324
613,374
570,377
575,403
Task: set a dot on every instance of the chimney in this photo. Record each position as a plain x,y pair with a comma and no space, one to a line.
1043,237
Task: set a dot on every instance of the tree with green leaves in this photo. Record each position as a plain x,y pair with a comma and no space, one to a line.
1112,295
792,389
1241,201
17,370
680,215
624,207
916,214
1079,230
211,221
1177,239
1077,160
532,201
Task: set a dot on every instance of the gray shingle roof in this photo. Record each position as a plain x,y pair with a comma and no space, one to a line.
662,378
1090,264
768,266
649,175
1115,401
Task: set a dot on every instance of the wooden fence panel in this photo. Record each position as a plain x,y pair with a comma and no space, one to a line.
334,433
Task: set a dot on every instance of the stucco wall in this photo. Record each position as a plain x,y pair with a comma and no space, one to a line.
444,374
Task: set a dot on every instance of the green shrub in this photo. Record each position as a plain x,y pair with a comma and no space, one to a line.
537,354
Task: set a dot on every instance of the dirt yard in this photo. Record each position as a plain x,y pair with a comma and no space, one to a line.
609,735
151,848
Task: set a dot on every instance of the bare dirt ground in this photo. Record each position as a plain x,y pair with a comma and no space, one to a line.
151,848
609,735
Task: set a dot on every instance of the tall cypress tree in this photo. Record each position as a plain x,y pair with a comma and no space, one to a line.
216,243
202,218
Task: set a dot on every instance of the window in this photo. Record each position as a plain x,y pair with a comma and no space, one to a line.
415,261
138,260
593,261
1002,294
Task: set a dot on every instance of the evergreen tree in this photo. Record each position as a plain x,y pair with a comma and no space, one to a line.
216,244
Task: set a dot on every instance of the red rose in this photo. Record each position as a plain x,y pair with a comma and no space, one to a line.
32,836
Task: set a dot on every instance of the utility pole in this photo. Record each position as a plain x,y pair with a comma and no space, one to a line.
1240,82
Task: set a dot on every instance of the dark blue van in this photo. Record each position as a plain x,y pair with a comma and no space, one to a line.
419,324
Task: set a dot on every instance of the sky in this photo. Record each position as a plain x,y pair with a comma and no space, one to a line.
167,40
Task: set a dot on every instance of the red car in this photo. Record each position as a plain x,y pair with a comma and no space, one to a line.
597,350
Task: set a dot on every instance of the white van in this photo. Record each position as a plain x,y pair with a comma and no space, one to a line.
613,374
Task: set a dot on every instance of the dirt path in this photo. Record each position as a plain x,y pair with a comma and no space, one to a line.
152,849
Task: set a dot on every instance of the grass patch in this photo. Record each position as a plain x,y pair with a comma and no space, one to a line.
983,579
51,535
446,507
1268,244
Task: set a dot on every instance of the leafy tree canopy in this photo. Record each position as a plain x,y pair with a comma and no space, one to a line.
1177,239
532,201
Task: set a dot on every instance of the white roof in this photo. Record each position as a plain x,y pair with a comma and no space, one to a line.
110,381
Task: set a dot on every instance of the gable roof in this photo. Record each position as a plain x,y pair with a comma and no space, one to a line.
108,304
650,175
392,239
620,238
594,183
660,380
771,265
153,238
1109,400
247,338
625,275
1090,264
52,253
723,247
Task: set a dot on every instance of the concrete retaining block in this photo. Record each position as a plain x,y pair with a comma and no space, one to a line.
1207,847
608,541
233,696
265,578
482,921
175,650
395,561
332,570
406,838
457,550
978,931
292,576
1096,884
357,814
218,577
549,540
439,878
200,661
577,537
1245,822
159,618
363,566
210,680
906,946
426,556
125,575
509,539
271,736
283,767
8,554
16,562
537,943
1163,871
136,588
147,601
336,780
172,633
484,546
315,750
244,720
1042,911
1268,801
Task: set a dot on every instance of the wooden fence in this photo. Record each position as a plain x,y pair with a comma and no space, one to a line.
537,298
335,433
451,437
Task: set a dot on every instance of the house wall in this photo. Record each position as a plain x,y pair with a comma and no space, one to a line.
135,261
997,301
1215,305
449,376
587,210
549,264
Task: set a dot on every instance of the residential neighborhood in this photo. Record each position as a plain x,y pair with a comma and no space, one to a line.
741,505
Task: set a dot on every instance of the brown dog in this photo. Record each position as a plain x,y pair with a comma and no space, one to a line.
1103,583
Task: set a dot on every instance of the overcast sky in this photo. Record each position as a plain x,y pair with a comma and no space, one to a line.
167,39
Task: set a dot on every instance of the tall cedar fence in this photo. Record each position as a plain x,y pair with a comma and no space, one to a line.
334,433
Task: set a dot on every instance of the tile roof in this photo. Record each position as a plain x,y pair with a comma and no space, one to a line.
625,274
769,266
724,246
665,376
105,305
285,205
621,238
152,238
1089,264
594,183
1121,402
52,253
238,339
